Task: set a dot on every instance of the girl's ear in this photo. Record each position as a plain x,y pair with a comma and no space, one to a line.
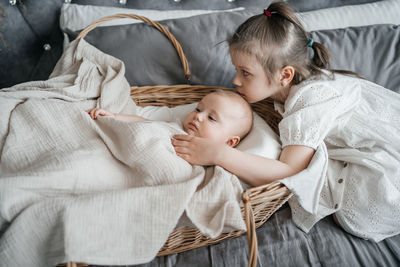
286,75
233,141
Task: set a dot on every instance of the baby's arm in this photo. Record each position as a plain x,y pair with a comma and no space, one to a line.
95,112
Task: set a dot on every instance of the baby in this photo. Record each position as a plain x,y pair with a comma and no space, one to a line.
221,116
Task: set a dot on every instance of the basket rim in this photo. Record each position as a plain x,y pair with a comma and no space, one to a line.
254,201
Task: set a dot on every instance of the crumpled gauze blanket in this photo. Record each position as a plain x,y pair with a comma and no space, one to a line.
97,191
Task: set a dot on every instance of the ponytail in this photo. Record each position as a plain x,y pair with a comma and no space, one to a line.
321,56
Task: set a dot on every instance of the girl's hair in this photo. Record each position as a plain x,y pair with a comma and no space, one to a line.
277,39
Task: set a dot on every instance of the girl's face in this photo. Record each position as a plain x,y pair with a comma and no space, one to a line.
250,80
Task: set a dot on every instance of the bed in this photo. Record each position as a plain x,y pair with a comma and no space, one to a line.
363,36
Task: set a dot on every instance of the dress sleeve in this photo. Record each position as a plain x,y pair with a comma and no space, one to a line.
310,114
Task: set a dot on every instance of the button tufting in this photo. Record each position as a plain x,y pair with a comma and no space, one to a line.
336,206
340,181
47,47
345,164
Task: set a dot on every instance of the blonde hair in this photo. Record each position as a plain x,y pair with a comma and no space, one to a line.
278,40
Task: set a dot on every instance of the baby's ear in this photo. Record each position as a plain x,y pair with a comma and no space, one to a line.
233,141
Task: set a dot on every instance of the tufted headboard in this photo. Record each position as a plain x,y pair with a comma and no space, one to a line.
31,41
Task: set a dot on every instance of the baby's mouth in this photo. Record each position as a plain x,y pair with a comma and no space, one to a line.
192,126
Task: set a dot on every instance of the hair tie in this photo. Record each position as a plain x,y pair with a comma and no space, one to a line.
310,42
267,13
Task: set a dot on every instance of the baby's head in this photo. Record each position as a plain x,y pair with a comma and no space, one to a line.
221,116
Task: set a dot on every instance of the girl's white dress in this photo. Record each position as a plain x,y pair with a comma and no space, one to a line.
358,124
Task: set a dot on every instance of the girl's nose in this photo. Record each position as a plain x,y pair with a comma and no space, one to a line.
236,81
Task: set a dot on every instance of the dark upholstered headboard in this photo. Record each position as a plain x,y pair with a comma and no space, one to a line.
31,41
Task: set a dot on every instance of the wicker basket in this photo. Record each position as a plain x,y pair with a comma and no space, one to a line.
259,203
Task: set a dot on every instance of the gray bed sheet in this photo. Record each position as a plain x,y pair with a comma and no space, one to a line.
281,243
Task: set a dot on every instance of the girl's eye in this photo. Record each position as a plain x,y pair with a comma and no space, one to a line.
197,109
245,73
211,118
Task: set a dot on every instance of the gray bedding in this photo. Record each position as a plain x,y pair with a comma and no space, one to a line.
31,40
209,60
281,243
28,26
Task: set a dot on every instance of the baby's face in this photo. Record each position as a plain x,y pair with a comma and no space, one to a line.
215,118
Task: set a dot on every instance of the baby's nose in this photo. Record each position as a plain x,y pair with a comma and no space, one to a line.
199,116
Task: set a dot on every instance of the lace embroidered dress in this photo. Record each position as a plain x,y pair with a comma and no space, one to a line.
358,124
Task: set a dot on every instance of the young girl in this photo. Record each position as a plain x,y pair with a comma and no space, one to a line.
357,121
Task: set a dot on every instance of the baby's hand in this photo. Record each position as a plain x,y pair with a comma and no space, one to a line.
99,111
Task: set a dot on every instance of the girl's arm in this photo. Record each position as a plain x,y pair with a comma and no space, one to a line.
95,112
252,169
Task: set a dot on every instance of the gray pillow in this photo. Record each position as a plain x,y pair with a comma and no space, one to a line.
150,59
301,5
372,51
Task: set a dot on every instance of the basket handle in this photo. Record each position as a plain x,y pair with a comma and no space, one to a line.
157,25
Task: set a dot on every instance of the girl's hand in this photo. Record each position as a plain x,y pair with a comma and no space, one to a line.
196,150
95,112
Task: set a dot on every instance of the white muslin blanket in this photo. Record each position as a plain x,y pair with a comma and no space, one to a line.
96,191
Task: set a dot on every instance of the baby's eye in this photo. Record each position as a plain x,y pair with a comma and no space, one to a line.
197,109
211,118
